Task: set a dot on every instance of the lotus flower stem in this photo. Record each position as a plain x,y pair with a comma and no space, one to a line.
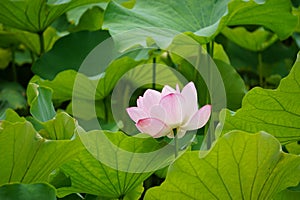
260,69
13,64
210,48
154,73
42,42
175,142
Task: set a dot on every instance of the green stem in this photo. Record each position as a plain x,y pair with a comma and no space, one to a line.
210,51
42,42
154,73
32,56
13,65
105,109
260,69
210,48
175,142
196,68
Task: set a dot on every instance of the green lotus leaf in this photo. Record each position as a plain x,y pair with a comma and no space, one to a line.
68,52
26,157
275,111
239,166
35,191
234,85
287,195
258,40
162,20
61,127
12,95
40,101
114,169
88,17
35,15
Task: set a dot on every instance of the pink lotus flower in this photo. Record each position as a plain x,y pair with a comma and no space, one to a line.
158,114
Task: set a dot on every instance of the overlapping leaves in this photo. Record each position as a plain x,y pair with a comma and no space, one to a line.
239,166
39,99
275,111
26,156
35,15
60,57
258,40
116,176
12,95
35,191
203,19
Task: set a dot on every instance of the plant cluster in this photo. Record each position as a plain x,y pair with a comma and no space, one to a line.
245,148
